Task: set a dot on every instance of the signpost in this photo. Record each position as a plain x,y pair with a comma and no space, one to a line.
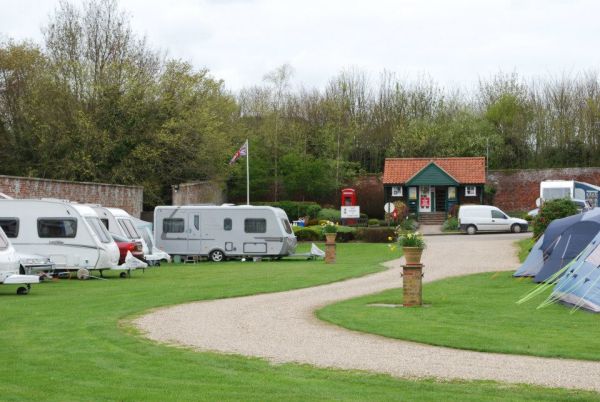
350,212
389,207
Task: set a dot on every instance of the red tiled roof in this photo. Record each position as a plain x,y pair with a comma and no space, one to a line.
464,170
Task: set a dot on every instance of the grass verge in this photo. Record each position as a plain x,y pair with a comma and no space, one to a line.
524,247
63,342
475,312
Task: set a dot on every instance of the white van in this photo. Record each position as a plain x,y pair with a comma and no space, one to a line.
218,232
70,234
487,218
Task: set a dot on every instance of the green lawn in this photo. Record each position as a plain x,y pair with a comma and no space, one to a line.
476,312
70,341
525,246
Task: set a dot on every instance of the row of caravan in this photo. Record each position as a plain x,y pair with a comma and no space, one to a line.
70,236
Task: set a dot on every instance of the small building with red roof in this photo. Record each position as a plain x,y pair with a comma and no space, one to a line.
430,185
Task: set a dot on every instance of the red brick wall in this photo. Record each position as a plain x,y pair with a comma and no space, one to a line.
129,198
517,190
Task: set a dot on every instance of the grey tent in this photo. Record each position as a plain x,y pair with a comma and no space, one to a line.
543,247
571,241
534,261
580,284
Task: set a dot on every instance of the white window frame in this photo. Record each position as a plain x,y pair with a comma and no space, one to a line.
470,191
397,191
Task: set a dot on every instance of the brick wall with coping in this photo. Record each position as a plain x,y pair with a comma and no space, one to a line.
129,198
202,192
517,190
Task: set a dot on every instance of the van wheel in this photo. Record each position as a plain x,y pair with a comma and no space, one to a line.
471,229
515,228
216,256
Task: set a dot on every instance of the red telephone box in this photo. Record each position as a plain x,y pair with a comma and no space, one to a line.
349,200
348,197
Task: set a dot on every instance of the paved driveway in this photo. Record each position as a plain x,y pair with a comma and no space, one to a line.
282,327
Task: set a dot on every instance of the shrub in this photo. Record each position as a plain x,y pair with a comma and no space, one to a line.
373,222
345,234
296,209
375,235
551,210
408,224
451,224
453,211
402,209
330,214
313,222
310,233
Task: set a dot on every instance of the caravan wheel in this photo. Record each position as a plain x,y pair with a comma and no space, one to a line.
22,290
216,256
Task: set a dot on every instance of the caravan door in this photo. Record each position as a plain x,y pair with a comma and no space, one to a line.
193,233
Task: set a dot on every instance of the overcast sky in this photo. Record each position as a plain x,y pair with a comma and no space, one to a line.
454,42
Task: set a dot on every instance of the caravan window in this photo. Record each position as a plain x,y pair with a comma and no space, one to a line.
99,229
227,224
197,222
57,227
128,228
104,222
286,226
554,193
10,227
3,242
173,225
255,225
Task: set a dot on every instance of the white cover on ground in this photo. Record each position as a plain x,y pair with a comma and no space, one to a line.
21,279
316,251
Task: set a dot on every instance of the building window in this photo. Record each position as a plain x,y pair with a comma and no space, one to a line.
255,225
173,225
10,226
470,191
396,191
451,193
227,224
57,227
412,193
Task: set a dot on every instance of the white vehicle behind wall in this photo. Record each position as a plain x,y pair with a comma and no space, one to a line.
220,232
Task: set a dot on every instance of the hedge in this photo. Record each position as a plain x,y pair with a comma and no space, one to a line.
296,209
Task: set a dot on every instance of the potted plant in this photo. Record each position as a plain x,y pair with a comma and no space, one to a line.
412,244
330,231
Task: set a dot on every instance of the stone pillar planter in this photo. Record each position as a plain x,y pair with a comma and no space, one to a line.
412,285
330,248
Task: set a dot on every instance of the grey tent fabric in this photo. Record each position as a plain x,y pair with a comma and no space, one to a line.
534,261
555,228
568,245
580,284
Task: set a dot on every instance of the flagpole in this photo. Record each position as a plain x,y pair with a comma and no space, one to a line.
247,173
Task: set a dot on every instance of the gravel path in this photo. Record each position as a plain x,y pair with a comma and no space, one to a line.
281,327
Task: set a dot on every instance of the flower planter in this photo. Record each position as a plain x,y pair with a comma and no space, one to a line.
330,237
412,254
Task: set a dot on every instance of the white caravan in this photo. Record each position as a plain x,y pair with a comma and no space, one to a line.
71,235
218,232
9,267
119,222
